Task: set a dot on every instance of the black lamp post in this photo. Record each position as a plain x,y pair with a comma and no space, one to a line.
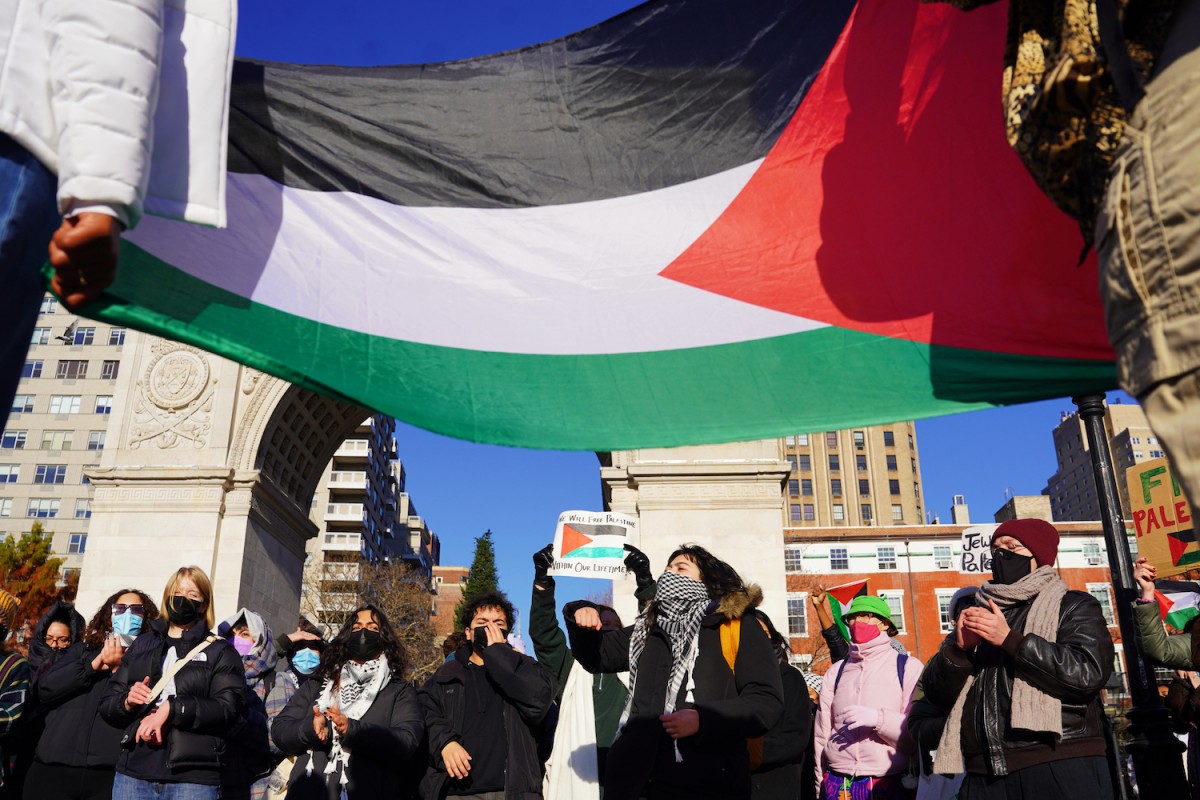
1157,754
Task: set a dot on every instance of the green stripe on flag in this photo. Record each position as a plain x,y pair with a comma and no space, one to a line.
826,379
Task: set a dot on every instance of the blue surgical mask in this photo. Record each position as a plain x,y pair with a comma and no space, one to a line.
127,624
306,661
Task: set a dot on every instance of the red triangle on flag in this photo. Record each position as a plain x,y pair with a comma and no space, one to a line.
573,540
846,593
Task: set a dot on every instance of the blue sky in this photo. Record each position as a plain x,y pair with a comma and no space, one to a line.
463,489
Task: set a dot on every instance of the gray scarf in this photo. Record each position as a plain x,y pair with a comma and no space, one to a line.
1032,709
679,607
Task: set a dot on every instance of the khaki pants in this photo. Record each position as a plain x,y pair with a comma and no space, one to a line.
1148,240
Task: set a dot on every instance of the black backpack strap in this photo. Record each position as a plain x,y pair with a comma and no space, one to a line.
838,678
1116,53
901,663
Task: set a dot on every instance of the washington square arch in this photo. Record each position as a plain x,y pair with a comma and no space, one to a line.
213,464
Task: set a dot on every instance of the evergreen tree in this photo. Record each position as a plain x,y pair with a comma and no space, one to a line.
482,578
29,573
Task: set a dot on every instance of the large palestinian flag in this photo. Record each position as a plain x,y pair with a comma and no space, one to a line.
703,220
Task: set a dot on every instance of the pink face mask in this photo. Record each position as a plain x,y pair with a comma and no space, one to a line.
861,632
243,646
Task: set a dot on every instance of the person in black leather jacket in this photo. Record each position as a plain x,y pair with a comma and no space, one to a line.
1029,658
176,739
78,750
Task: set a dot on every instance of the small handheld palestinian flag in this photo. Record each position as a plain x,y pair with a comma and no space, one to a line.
1178,602
840,598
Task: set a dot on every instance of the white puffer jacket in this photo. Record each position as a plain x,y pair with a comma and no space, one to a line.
126,100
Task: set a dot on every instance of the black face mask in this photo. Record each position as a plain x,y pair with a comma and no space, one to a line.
479,640
1009,567
364,645
183,610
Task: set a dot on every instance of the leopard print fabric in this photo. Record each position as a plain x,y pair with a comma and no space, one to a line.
1062,114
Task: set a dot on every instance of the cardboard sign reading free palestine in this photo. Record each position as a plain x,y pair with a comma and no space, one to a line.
1166,534
589,544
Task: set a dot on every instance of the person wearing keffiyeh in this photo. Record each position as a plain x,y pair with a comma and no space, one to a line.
685,726
357,724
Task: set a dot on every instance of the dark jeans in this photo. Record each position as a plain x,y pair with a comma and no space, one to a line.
127,788
28,218
60,782
1070,778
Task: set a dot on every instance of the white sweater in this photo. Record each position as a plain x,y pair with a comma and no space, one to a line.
127,101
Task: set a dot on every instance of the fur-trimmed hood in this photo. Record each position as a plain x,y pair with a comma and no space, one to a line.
735,605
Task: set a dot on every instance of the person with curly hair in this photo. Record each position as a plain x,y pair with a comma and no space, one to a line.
358,722
76,756
485,708
702,683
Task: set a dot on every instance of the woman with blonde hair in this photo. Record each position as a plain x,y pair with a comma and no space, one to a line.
180,690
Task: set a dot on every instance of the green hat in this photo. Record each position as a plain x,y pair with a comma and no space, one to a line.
866,604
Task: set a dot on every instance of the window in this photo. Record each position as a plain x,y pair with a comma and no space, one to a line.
790,441
69,573
43,508
116,336
897,513
839,512
1100,592
57,440
791,559
794,512
50,473
22,404
860,463
889,439
895,600
71,370
104,404
1135,439
944,596
831,439
912,443
792,462
802,439
77,543
797,614
912,464
1151,440
835,486
810,512
885,555
865,511
1091,551
10,473
916,490
13,440
84,335
83,508
793,487
839,558
64,404
49,305
834,463
1156,454
894,487
40,336
806,486
108,370
864,487
942,557
32,369
5,506
95,440
860,440
805,462
891,464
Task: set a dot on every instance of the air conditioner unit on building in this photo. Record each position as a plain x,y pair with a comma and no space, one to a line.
943,563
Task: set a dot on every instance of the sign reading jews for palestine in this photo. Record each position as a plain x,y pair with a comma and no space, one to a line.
976,549
1162,520
589,544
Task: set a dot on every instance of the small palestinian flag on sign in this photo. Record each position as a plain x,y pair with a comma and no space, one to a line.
1178,602
840,598
592,541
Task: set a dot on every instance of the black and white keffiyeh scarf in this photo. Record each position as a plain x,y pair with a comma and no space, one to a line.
358,686
680,604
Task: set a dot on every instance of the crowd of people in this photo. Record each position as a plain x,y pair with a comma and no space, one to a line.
697,698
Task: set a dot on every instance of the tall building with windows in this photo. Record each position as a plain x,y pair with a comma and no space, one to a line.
1072,488
58,427
868,476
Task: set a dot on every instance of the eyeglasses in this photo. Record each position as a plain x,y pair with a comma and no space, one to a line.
121,608
53,640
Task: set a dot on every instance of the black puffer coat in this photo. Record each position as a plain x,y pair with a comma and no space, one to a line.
1074,670
70,693
208,706
733,705
787,743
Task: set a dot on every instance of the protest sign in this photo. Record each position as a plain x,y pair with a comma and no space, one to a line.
1162,520
976,550
589,544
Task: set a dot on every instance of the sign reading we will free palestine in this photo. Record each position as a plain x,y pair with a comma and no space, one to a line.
976,549
589,544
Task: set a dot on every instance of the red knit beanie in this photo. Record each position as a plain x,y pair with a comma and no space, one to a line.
1036,534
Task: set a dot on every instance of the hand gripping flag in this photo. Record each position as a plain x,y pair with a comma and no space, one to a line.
700,221
840,598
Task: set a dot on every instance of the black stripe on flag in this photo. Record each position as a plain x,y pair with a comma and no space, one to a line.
669,92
